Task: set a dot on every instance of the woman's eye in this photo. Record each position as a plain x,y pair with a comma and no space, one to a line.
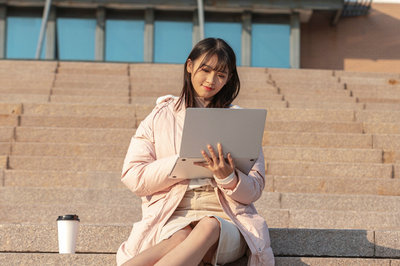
206,70
221,76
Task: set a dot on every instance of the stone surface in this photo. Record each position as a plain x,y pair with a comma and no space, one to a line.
5,148
303,261
336,185
11,108
292,114
279,153
69,149
64,163
304,201
387,142
75,135
378,116
64,179
387,243
8,120
89,99
78,121
56,259
74,109
359,170
314,126
382,128
6,133
322,140
314,242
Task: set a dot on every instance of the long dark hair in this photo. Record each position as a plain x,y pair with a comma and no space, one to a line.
226,60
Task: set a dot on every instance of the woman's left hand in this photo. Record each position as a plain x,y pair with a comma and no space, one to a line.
220,167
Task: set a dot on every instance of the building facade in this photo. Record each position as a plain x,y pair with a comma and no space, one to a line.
262,33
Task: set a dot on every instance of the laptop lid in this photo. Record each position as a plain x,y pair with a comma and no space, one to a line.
240,131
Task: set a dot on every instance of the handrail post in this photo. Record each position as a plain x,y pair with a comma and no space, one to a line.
200,9
45,18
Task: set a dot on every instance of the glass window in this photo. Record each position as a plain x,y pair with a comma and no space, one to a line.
172,41
231,32
124,40
76,38
270,45
22,37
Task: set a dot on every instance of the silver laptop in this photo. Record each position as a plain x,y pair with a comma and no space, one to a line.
240,131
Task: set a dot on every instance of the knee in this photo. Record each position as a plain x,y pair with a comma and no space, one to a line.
210,227
181,235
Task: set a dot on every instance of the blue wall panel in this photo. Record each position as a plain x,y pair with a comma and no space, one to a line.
172,41
22,37
229,32
124,40
76,38
270,45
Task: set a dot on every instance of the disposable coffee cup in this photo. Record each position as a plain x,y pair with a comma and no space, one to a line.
68,226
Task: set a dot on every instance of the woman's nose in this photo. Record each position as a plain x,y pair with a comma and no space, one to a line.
211,78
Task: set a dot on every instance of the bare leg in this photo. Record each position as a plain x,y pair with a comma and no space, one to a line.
193,249
151,255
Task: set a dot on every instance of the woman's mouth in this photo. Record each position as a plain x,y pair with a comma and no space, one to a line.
207,88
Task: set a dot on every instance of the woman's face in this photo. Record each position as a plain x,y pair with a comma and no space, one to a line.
205,80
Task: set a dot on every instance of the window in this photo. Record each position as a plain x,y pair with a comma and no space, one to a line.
172,38
270,44
124,41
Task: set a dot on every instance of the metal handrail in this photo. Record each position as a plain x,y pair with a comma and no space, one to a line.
43,27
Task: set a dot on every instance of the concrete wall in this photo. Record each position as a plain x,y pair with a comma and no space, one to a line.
369,43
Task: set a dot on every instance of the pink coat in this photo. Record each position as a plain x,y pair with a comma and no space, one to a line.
150,158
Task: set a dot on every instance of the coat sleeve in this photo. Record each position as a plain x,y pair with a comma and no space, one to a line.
142,172
249,187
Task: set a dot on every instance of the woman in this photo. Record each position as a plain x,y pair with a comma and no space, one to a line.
205,220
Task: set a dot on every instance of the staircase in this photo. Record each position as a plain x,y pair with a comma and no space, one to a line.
331,143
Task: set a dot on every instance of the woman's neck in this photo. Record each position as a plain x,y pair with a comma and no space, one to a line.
201,102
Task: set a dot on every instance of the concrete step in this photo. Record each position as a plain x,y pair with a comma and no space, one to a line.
305,73
276,218
269,200
292,242
19,98
76,109
91,84
381,128
304,84
379,81
89,99
336,185
301,261
36,259
326,105
11,108
320,155
354,170
116,136
92,68
5,148
262,104
68,149
387,142
96,78
6,133
320,140
377,100
123,92
382,106
314,126
343,73
338,92
18,162
8,120
75,121
338,202
319,98
63,179
292,114
42,90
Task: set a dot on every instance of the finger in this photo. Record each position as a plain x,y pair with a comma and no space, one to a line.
212,152
205,156
202,164
230,160
221,153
